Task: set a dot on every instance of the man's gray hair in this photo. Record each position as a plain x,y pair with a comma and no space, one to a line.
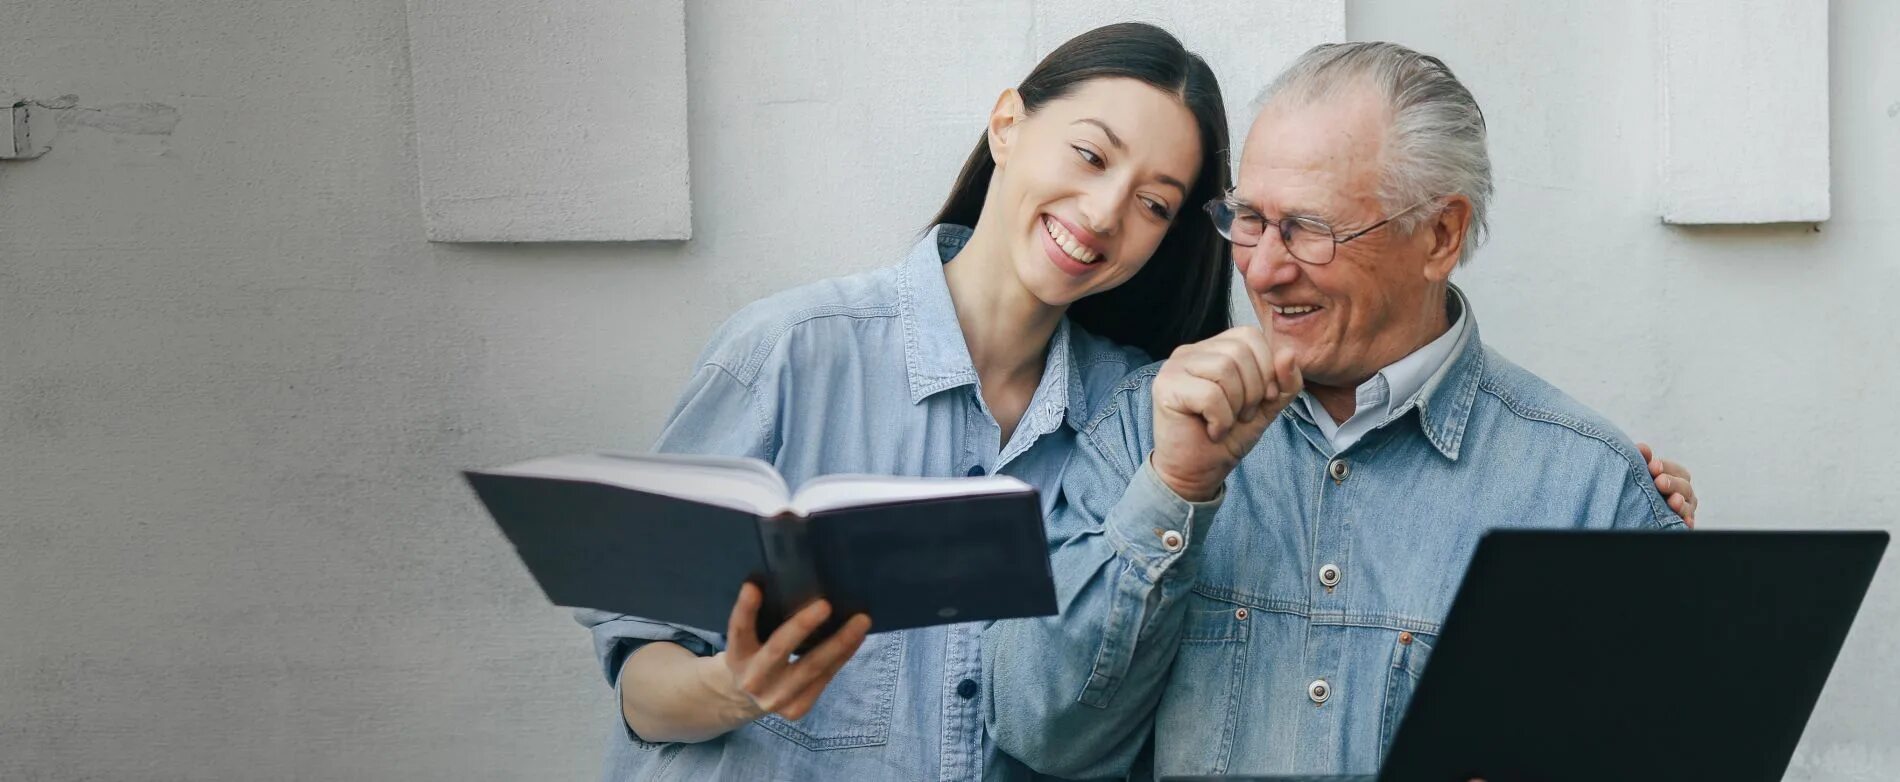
1436,143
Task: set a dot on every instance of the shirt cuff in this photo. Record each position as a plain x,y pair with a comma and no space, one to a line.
1155,528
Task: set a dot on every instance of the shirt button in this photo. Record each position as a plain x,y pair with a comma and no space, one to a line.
1171,540
1319,691
1240,614
1338,469
1329,575
976,471
966,689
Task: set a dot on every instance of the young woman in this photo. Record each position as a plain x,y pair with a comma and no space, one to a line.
985,350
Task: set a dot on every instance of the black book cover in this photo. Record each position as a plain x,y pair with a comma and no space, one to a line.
906,564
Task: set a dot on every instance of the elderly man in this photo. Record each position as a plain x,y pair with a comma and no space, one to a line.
1254,572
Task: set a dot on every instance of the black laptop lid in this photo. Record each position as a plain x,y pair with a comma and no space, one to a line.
1633,656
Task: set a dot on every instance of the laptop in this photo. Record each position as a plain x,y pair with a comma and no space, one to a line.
1584,655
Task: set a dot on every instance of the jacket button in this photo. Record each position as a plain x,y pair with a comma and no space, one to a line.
976,471
1319,691
1329,575
1338,469
1172,540
1240,613
1405,638
966,689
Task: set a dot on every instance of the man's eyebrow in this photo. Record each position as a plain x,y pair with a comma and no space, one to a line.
1116,142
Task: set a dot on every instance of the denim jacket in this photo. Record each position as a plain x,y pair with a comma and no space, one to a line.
1282,627
863,374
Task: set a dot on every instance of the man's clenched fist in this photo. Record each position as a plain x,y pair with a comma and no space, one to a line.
1212,401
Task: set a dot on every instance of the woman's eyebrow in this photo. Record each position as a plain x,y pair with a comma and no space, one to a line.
1116,142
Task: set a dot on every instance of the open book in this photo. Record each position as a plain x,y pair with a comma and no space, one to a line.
671,538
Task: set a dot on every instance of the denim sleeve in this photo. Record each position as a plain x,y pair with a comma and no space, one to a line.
717,415
1638,504
1074,695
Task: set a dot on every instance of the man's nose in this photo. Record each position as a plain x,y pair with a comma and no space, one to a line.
1266,265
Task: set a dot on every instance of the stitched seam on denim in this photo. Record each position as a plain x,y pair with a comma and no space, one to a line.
1122,475
748,370
1238,597
1301,610
1460,413
1637,474
1134,382
1374,622
879,728
1229,725
1234,629
1103,681
1154,565
1131,553
1103,357
761,413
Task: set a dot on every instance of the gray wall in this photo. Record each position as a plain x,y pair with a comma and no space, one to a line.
235,382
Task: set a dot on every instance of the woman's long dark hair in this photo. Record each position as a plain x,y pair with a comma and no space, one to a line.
1180,296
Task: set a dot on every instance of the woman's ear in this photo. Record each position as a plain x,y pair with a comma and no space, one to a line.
1004,121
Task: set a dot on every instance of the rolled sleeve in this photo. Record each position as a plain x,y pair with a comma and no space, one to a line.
616,636
1158,531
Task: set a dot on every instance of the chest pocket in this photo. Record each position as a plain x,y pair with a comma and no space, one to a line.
1208,684
855,709
1410,652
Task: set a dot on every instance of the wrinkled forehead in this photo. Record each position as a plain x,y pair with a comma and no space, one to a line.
1332,142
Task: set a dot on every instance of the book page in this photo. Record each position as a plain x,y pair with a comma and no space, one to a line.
832,492
739,483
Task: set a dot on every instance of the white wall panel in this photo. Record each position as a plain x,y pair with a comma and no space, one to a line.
1745,111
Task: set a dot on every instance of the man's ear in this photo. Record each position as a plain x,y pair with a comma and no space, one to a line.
1004,121
1445,237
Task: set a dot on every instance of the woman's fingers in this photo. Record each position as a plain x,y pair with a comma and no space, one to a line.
1680,474
1673,483
788,636
808,677
742,629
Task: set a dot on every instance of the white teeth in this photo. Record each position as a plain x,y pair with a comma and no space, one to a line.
1067,242
1298,309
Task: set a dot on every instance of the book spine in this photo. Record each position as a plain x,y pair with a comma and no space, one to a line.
793,577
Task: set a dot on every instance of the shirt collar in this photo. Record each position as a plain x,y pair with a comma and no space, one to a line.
1407,377
1449,365
936,355
934,351
1444,401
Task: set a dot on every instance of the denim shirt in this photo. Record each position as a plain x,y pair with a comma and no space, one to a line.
1210,623
863,374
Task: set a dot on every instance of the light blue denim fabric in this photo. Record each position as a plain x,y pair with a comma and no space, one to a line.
1212,644
863,374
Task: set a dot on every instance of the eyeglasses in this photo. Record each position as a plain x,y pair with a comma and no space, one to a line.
1306,239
